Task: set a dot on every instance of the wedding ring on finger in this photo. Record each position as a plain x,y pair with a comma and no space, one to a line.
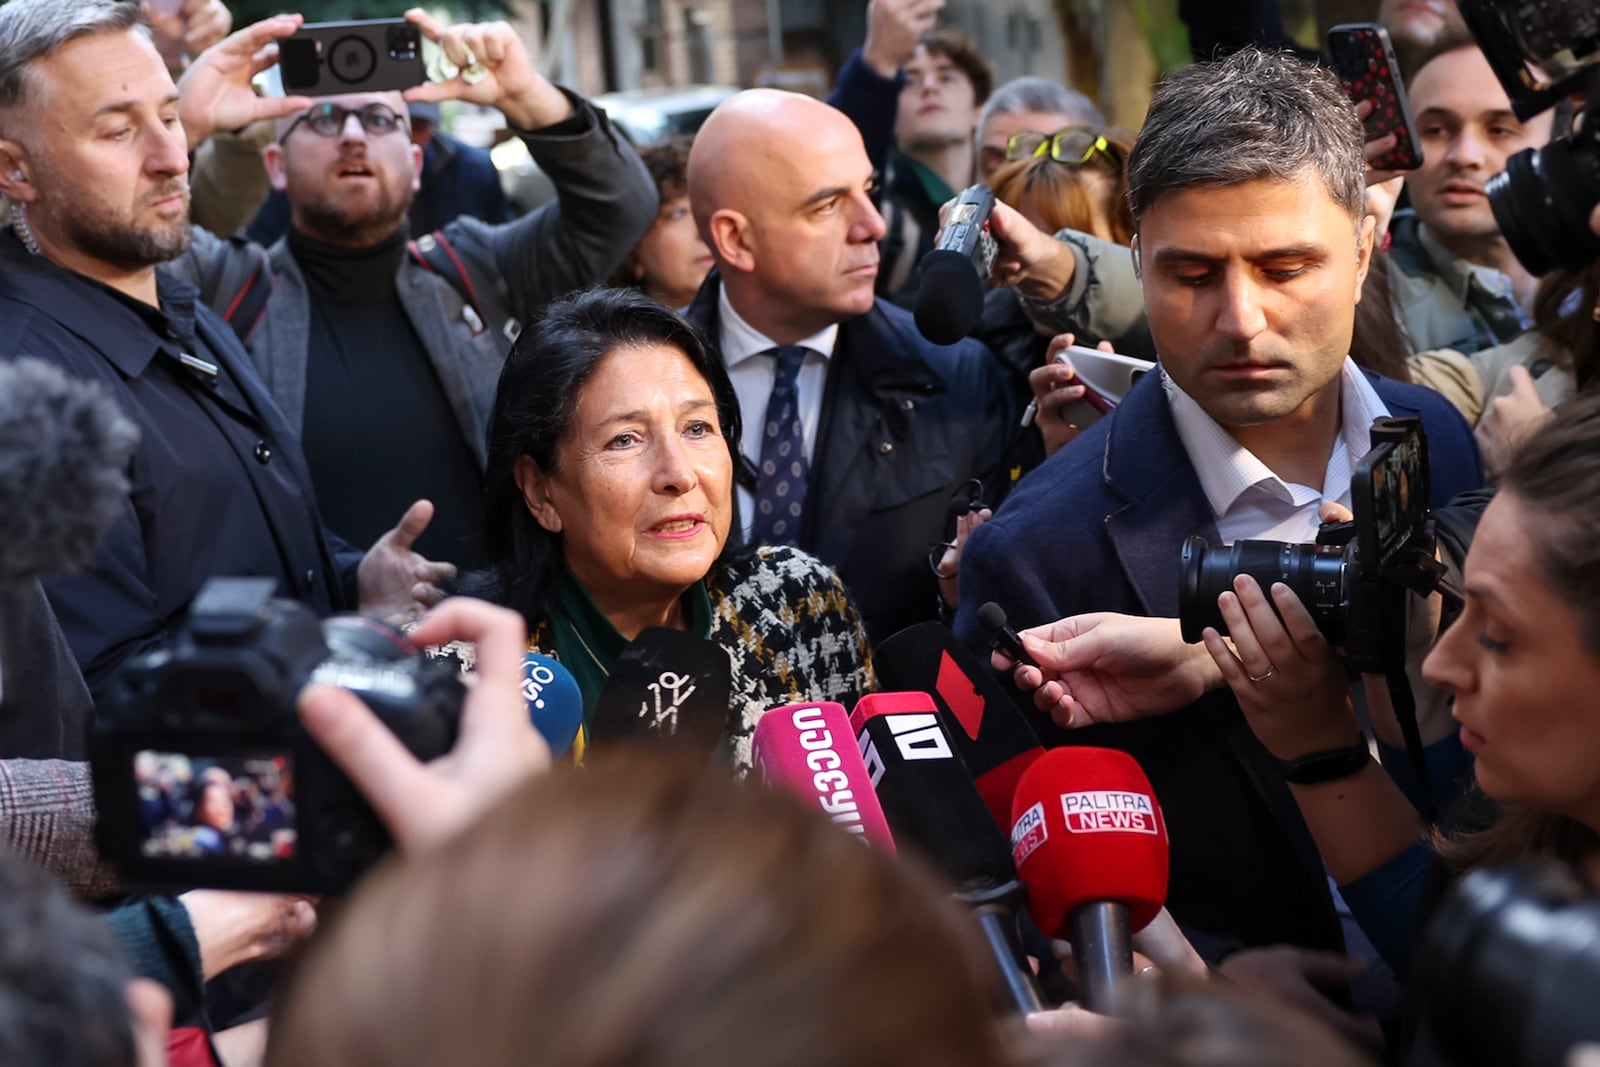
1264,675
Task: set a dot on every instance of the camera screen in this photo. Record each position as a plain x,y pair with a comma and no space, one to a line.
1398,506
197,807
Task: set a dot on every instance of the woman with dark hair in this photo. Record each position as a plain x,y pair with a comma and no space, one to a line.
608,505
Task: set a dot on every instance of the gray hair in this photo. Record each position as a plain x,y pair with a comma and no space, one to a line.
1040,94
1249,116
33,29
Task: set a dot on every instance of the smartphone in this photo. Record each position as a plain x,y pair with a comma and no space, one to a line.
1363,58
1106,378
374,55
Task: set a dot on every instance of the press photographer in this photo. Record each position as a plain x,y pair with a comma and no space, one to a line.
1521,665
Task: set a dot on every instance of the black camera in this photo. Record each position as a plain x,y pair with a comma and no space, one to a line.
375,55
1510,967
1542,51
203,775
1353,578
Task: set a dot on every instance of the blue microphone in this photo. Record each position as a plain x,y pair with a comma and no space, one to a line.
555,704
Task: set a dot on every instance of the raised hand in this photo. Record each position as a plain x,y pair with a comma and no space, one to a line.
215,92
493,68
395,582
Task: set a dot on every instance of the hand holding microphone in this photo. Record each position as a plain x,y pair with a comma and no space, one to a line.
1108,667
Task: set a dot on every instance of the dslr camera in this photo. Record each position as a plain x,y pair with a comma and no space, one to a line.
1543,51
203,775
1354,577
1510,967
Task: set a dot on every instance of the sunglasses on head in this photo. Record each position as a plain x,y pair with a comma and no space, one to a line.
1073,146
328,119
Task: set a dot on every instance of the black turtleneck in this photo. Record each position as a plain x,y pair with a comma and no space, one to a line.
378,430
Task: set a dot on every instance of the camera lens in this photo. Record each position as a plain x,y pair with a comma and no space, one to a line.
1542,201
352,60
1316,573
1510,966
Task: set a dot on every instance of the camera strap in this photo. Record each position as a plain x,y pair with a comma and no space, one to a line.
1404,702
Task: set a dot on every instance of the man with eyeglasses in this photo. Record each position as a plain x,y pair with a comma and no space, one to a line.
383,360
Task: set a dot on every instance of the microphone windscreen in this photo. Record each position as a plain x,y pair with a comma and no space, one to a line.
985,725
555,703
949,297
809,751
667,686
64,451
926,791
1087,829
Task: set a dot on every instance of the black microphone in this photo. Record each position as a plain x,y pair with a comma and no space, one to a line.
953,275
987,728
666,686
64,451
932,805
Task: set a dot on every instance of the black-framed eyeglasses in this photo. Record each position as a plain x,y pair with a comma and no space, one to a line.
1073,146
328,119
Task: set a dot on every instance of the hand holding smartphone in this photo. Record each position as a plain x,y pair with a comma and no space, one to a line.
1363,58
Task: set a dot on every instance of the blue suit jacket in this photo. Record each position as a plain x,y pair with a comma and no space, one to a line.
1099,527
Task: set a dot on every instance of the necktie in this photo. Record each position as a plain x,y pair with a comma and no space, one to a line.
781,480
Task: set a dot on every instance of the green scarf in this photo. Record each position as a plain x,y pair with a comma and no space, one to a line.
588,645
933,186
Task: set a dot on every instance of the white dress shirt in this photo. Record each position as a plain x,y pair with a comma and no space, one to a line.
753,369
1249,500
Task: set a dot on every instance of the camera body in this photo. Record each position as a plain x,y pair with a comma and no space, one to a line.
203,775
1510,967
1543,51
368,56
1354,577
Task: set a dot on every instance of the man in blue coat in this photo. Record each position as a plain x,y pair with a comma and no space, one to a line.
857,432
1247,188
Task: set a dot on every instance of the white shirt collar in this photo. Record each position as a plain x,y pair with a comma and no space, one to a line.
740,340
1227,469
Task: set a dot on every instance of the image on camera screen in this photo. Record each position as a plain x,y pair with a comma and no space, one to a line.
1397,505
198,807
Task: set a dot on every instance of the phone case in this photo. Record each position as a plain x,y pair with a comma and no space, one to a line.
363,56
1364,60
1106,378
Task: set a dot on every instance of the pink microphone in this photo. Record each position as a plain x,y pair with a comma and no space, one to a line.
810,751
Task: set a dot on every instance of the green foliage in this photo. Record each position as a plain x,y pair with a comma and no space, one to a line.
1165,33
248,11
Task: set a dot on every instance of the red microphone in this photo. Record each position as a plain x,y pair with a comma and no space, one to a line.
809,750
1088,839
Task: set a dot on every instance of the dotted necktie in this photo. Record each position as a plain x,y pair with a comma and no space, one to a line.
781,481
